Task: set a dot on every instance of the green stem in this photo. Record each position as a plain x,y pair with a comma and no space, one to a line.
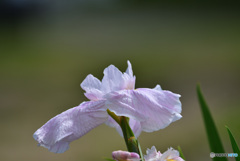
140,152
130,140
114,116
128,134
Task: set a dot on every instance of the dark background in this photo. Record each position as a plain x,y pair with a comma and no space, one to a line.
47,48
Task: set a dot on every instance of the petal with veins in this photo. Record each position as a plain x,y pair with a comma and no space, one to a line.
152,108
112,80
70,125
171,155
152,154
115,80
92,86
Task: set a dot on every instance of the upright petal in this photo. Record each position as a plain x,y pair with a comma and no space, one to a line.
158,88
115,80
129,79
152,108
112,80
152,154
70,125
129,70
92,86
171,155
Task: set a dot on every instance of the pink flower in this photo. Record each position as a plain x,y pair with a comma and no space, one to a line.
152,154
169,155
125,156
148,109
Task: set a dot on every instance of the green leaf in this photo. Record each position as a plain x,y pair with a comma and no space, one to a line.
181,153
212,133
234,144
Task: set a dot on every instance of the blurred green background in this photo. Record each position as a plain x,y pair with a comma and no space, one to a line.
48,48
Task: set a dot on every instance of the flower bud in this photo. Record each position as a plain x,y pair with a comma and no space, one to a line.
125,156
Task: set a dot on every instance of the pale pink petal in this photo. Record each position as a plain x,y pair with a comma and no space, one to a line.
125,156
171,154
92,86
178,159
70,125
158,87
173,102
136,127
122,104
171,98
152,154
154,109
129,79
115,80
129,70
112,80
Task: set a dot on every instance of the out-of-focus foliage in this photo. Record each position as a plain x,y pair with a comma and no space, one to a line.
234,144
212,133
181,153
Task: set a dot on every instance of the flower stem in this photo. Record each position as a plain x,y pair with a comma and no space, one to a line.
114,116
130,140
140,152
128,134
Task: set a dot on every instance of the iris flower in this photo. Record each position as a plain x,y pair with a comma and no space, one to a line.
169,155
152,155
147,109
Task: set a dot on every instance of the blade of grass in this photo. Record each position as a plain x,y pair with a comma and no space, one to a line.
234,144
181,153
212,133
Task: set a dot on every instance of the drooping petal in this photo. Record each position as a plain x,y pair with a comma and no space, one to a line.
152,154
122,104
154,109
171,155
136,127
173,98
70,125
174,102
92,86
125,156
